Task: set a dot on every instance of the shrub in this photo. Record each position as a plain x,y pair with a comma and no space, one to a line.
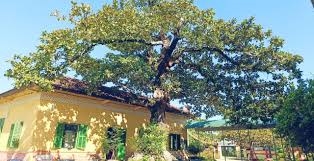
151,141
114,144
207,154
196,147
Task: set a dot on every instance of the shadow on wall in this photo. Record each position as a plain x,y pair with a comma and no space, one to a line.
23,150
38,137
98,121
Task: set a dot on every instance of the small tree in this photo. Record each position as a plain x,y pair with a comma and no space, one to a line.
151,141
114,144
295,121
195,147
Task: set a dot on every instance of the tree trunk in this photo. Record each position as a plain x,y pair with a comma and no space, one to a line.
158,111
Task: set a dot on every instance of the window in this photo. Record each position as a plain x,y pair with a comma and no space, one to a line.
1,124
70,136
15,133
174,142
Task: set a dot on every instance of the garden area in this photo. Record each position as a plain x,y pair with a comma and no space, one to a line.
289,137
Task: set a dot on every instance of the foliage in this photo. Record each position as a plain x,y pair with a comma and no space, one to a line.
215,66
201,158
105,148
228,151
207,154
143,158
152,141
115,143
260,137
195,147
208,139
295,121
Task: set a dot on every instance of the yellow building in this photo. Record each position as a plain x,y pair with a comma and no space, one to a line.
70,124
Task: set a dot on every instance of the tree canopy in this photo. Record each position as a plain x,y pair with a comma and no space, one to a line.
167,50
295,120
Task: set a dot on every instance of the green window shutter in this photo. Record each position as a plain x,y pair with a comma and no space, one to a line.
11,135
121,151
81,137
1,124
57,143
15,133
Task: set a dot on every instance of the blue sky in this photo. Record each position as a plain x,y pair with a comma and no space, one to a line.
23,21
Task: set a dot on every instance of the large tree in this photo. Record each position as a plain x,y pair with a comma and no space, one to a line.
167,50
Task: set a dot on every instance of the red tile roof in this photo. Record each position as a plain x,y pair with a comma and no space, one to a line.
111,93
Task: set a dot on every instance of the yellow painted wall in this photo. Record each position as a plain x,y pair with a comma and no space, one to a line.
18,107
98,114
41,111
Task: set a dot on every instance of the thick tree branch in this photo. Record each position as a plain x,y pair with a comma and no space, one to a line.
213,49
90,47
175,58
204,74
151,43
164,64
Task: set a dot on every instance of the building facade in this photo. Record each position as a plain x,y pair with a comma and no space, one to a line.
71,125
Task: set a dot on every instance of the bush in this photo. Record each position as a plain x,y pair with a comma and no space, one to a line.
151,141
195,147
207,154
114,144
